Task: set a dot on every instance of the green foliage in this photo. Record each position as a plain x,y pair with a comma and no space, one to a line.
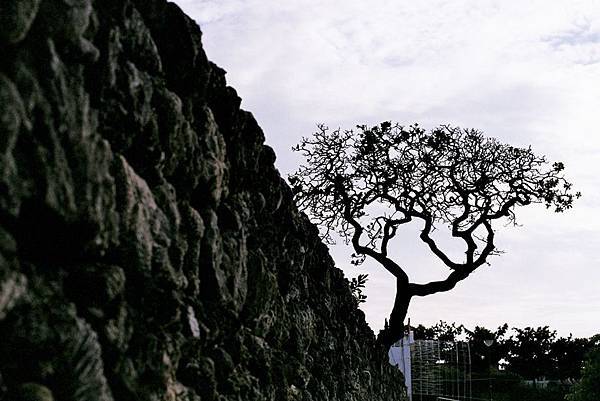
507,386
505,390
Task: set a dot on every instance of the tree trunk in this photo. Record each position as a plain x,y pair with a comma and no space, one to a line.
395,330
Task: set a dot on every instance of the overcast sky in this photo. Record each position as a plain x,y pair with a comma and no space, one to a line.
525,72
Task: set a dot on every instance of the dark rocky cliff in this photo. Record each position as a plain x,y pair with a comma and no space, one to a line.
149,249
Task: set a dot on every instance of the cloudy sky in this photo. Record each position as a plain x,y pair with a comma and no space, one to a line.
526,72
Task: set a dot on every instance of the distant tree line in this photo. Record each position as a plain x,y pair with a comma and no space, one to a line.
527,354
531,353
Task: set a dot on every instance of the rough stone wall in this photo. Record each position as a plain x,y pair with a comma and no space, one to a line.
149,249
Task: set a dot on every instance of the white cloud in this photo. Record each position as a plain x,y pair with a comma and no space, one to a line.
525,72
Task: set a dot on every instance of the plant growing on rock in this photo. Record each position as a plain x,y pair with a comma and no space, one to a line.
356,286
366,185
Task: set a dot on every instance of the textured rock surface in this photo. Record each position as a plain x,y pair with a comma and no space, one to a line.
149,250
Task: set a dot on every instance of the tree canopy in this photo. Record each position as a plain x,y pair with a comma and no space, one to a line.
365,184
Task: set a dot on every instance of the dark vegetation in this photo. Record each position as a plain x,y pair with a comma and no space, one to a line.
526,363
356,286
366,185
588,388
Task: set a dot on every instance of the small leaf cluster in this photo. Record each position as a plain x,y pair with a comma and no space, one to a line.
356,286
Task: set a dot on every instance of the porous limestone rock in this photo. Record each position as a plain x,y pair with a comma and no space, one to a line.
149,249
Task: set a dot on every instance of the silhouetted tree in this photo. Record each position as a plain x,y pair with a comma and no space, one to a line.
440,331
366,184
529,352
482,356
567,356
445,333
